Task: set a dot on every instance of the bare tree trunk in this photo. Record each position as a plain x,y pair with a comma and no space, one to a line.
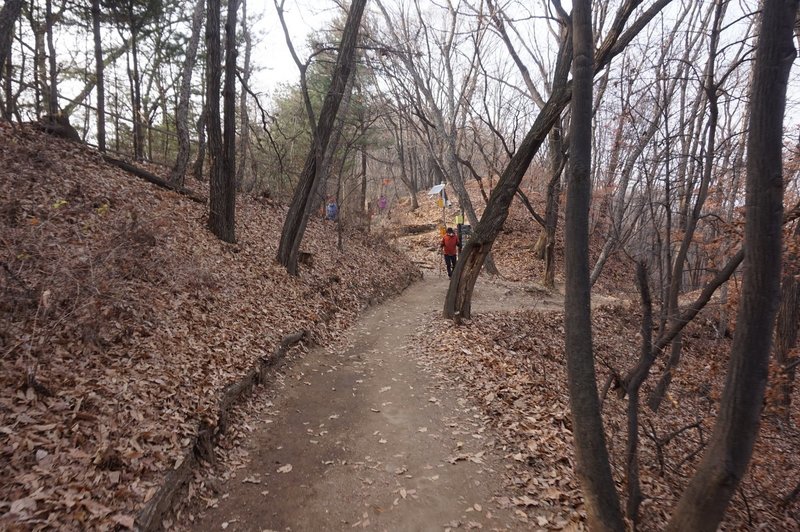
633,382
7,77
362,123
99,76
545,247
8,20
178,173
557,161
302,202
217,177
136,93
42,93
330,153
52,108
362,198
710,88
459,294
727,456
244,124
222,215
594,471
199,162
400,146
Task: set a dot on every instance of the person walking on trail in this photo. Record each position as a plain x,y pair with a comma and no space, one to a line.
450,250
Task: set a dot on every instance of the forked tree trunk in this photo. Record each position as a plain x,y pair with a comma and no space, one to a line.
633,383
593,468
294,226
725,461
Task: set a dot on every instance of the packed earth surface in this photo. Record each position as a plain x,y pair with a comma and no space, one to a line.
371,433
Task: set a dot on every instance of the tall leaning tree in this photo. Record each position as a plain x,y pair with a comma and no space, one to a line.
310,178
458,302
594,470
728,453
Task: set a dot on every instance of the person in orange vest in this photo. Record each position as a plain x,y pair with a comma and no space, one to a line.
450,249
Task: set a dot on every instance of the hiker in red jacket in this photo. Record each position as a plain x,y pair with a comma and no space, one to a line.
450,249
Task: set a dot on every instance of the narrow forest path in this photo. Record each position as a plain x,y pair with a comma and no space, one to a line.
367,434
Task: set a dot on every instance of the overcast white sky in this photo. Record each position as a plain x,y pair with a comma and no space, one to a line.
271,52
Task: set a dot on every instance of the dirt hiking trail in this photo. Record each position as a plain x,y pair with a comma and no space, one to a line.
369,434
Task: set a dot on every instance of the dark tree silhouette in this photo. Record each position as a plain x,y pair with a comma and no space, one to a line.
222,198
594,470
302,202
725,461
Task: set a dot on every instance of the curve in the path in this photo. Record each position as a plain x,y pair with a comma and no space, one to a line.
363,435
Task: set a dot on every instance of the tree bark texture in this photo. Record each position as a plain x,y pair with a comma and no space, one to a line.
593,468
8,19
303,199
136,93
99,76
557,160
225,208
725,461
215,144
199,162
52,108
178,173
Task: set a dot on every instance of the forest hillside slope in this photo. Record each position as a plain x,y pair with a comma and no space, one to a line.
122,319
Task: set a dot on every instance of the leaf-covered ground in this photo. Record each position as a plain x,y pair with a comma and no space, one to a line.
122,318
514,365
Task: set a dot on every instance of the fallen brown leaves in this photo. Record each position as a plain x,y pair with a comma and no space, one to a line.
513,365
122,319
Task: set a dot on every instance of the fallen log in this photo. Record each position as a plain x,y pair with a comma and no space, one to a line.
154,179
